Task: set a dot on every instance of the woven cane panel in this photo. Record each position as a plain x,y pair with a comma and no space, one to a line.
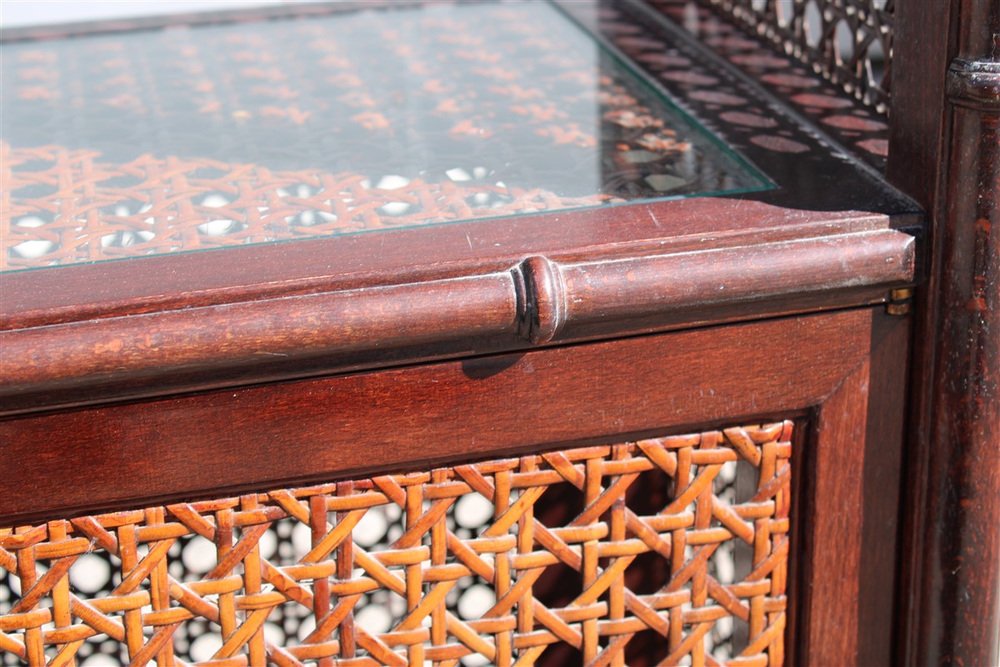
848,41
663,551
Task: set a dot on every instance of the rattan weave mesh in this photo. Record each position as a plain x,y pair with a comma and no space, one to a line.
590,553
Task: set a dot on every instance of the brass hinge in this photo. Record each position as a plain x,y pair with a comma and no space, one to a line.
900,301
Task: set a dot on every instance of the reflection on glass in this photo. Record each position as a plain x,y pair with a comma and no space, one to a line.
157,141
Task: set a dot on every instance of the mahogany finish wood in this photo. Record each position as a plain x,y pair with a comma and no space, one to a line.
148,451
946,153
924,46
854,467
535,301
183,280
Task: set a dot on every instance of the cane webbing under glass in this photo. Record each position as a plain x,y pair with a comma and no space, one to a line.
145,142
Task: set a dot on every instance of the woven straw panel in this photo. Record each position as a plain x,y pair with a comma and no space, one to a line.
847,41
635,553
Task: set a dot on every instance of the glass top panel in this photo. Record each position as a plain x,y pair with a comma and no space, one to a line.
192,137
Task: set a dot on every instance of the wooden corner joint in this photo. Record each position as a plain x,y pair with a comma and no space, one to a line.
541,298
975,84
900,301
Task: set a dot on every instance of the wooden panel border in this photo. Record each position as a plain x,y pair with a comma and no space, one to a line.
850,479
230,440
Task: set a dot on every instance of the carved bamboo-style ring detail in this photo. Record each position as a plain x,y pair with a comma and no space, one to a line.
542,312
975,84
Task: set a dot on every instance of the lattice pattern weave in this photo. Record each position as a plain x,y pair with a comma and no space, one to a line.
848,41
85,208
632,557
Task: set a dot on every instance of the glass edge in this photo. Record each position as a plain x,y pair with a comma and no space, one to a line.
655,88
416,227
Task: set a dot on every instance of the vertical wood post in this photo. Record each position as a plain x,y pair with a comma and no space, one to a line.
949,603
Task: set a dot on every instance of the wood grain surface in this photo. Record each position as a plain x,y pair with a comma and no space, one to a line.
535,301
216,442
949,609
